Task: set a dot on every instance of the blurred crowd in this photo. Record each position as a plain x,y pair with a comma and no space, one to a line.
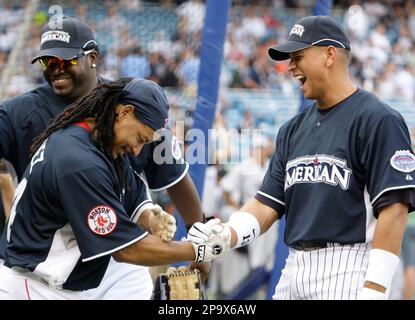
160,41
384,32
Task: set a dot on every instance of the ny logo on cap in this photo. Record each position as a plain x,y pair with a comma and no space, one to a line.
297,29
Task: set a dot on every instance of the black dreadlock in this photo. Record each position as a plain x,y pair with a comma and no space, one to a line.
100,105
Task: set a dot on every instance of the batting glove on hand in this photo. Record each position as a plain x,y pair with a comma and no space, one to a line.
211,240
162,224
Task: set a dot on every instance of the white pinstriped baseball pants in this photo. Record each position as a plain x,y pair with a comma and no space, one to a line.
333,273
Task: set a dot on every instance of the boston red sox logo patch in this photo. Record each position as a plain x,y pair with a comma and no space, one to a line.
102,220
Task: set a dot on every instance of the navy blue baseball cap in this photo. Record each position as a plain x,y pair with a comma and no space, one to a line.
150,103
66,42
311,31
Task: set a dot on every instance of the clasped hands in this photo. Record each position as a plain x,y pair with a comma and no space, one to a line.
210,240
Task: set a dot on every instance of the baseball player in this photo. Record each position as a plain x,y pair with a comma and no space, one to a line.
342,174
68,215
70,68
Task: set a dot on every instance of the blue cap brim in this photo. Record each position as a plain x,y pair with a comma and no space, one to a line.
282,51
63,53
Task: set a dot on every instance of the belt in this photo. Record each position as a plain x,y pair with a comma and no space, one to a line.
313,245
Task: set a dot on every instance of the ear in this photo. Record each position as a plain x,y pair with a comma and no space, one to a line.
331,54
94,58
124,111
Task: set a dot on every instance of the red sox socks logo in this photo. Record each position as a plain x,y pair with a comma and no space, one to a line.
102,220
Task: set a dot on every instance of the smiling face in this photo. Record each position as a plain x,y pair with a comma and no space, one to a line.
309,67
130,134
73,81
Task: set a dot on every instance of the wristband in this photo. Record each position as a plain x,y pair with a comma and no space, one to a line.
382,267
371,294
246,227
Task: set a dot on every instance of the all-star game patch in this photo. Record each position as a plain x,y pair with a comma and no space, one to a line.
403,160
102,220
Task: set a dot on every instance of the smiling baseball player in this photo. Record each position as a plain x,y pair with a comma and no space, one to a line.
342,174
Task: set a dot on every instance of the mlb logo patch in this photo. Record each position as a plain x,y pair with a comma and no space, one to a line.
102,220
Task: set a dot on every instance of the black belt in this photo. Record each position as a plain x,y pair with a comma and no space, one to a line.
313,245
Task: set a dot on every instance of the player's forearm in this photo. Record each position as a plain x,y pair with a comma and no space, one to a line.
144,219
7,192
152,251
7,204
389,233
265,215
185,198
390,228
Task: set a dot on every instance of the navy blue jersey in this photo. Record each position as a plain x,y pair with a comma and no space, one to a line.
24,117
161,162
329,169
70,212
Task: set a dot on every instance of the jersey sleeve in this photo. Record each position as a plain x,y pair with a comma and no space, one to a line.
165,166
271,191
386,155
137,197
7,137
96,213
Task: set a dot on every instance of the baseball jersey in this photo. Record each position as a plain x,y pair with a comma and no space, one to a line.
330,168
24,117
161,163
69,212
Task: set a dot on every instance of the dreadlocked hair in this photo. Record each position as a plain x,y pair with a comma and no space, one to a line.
100,105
